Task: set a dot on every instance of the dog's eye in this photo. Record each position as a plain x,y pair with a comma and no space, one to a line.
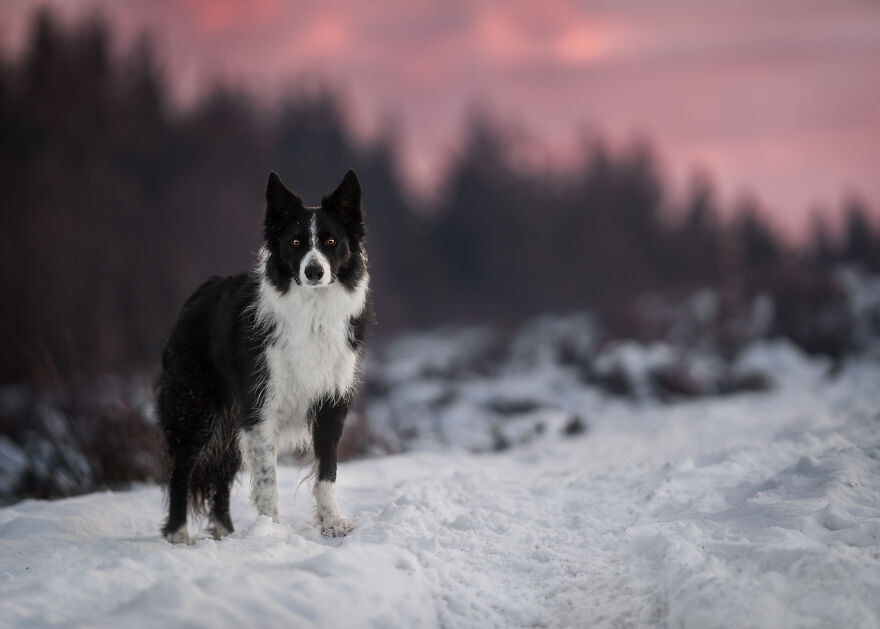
330,242
295,243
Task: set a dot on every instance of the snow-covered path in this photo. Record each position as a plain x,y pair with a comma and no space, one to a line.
751,511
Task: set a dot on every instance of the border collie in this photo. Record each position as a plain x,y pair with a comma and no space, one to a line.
266,360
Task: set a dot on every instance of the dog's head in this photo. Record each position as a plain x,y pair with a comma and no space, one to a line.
314,246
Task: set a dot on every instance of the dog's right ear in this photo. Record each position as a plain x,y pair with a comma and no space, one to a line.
281,203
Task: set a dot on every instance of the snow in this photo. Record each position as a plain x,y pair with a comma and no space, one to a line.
752,510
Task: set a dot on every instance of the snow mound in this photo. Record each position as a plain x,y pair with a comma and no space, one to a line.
469,389
759,510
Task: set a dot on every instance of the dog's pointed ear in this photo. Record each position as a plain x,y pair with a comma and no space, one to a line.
280,202
345,201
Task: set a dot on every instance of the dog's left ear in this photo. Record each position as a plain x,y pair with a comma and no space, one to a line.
346,200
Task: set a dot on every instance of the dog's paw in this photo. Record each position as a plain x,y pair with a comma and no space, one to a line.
340,527
219,530
180,536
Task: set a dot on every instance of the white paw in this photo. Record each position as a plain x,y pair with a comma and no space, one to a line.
180,536
340,527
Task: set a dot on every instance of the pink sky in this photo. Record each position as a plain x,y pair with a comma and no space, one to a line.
780,99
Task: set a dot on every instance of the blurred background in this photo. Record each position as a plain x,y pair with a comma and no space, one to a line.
630,194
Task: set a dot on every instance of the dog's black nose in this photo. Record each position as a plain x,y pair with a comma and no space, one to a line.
314,272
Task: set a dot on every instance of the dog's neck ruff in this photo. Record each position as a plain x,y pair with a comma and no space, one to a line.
309,348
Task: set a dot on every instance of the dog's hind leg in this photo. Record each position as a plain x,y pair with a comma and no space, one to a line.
223,477
184,408
327,430
175,530
221,520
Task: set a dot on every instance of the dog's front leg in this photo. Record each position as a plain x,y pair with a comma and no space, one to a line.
329,419
258,451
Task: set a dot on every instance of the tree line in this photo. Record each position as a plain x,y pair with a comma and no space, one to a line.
115,206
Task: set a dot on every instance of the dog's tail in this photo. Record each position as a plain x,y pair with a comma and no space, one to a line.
215,466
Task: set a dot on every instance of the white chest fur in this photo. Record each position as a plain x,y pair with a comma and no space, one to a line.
309,356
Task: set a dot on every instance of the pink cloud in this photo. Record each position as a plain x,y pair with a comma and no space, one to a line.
780,97
219,16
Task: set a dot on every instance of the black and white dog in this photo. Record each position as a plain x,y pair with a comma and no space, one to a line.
268,359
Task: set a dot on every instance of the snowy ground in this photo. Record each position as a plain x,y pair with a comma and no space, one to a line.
755,510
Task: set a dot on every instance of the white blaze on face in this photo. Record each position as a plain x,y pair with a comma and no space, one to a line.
314,256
